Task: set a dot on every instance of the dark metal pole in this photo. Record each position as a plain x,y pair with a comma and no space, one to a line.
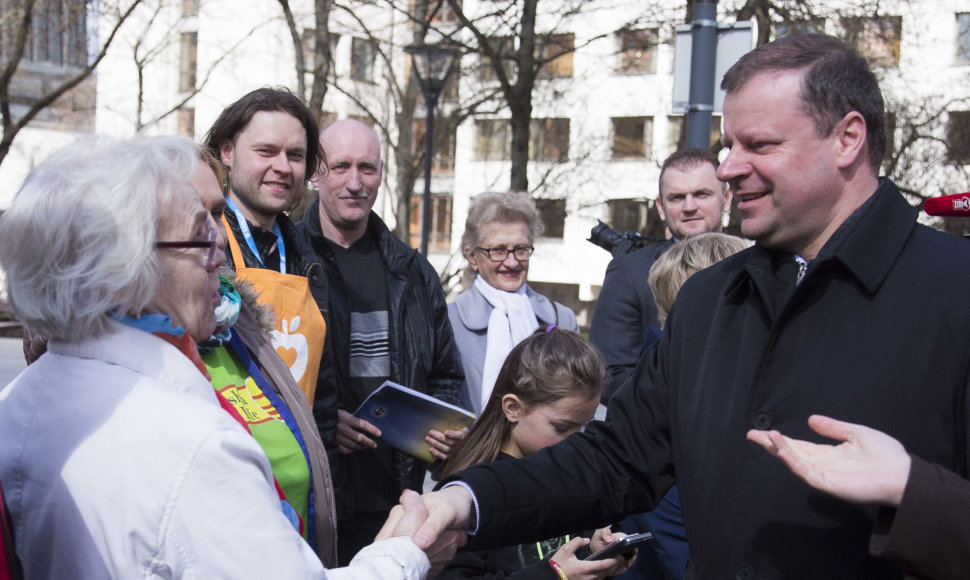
431,100
702,61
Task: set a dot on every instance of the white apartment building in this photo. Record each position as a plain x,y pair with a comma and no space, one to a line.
602,112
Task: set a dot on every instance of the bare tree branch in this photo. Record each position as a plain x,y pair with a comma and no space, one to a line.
11,130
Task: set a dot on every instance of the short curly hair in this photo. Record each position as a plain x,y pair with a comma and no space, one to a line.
78,240
494,206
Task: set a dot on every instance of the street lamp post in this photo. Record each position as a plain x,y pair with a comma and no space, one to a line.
432,64
702,59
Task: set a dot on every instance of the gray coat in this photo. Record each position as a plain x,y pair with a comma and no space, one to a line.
469,315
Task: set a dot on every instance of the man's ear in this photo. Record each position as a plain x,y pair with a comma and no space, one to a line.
851,132
660,208
728,196
225,152
512,407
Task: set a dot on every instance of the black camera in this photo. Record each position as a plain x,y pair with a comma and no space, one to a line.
614,242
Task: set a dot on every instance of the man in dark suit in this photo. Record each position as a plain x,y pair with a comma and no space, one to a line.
843,307
691,201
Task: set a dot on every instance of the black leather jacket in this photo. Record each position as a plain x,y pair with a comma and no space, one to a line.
422,346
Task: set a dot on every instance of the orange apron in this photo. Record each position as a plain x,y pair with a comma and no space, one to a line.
300,328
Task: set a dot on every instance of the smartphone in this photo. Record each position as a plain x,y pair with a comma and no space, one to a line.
624,546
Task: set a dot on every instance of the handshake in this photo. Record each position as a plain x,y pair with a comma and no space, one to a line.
438,524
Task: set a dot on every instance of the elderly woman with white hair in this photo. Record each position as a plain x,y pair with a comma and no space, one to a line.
119,460
498,310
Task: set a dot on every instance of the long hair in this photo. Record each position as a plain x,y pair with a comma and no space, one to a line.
549,365
236,116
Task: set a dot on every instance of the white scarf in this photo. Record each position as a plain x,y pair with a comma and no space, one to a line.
511,321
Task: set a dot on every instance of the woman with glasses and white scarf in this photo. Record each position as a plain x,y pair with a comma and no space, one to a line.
498,309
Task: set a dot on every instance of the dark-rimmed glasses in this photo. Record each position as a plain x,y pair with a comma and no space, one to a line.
209,242
521,253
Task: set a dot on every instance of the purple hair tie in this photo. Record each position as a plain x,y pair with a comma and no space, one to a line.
551,327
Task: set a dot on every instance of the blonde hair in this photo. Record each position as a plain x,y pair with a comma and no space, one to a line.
683,260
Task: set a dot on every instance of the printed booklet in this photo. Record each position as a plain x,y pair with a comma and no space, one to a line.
405,416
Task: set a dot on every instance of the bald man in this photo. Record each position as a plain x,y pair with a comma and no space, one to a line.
387,320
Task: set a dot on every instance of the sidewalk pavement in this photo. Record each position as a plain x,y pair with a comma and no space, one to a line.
11,359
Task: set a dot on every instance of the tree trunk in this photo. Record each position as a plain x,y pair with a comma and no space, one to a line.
409,153
322,58
520,98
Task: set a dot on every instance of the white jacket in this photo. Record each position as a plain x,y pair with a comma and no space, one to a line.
118,462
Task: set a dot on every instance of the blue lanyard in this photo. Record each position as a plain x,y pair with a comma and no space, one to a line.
242,352
248,236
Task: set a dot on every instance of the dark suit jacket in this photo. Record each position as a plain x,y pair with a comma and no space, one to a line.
624,310
871,335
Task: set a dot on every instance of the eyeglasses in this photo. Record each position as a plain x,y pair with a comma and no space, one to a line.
209,242
521,253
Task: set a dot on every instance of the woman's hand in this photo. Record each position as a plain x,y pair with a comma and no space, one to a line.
407,517
576,569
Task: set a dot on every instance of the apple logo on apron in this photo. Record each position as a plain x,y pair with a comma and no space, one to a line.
290,340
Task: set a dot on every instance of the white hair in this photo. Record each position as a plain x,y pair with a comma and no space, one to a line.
78,240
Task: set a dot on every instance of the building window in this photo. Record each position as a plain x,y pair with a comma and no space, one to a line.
549,140
436,11
439,236
958,137
963,37
494,140
327,118
553,215
188,63
57,35
443,13
783,29
677,133
309,38
638,51
449,93
443,159
55,49
363,120
629,214
186,117
363,56
505,49
876,39
632,137
555,52
190,7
